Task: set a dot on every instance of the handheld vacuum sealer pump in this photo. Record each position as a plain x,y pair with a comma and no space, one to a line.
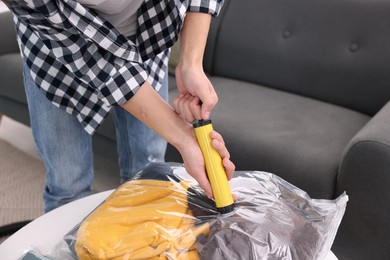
214,168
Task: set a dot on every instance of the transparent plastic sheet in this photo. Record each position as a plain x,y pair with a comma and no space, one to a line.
163,214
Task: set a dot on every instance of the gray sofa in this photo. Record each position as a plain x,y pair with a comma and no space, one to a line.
303,93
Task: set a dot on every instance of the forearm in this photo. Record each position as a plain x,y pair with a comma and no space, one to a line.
152,110
197,96
193,38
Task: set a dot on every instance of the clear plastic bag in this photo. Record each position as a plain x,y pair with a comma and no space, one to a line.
163,214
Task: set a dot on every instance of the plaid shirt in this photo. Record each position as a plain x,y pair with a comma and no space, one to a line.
84,65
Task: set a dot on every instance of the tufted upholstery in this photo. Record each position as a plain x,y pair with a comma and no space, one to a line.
334,51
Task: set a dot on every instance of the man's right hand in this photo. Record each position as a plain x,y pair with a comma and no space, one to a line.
197,97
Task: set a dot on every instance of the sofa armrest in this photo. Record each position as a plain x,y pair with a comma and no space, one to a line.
365,175
8,43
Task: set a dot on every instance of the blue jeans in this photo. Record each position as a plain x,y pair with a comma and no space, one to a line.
66,149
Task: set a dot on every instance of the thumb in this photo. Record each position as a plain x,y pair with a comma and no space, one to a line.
205,184
208,104
206,112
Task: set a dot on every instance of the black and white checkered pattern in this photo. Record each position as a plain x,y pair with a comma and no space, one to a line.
84,65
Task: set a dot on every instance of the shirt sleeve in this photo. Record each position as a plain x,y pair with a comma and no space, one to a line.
212,7
97,57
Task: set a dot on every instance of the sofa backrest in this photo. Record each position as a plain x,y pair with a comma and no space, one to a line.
336,51
7,34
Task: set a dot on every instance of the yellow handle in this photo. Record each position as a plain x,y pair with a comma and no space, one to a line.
215,170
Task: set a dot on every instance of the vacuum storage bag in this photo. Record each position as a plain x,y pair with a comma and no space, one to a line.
163,214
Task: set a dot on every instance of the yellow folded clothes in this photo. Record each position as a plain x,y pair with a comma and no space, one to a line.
142,219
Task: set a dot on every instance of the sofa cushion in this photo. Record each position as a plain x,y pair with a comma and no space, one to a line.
297,138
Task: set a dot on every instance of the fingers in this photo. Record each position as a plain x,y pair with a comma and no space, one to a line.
195,107
194,162
187,107
204,183
208,103
219,145
229,167
198,171
184,108
193,80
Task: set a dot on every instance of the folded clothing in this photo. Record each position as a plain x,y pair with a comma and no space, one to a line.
142,219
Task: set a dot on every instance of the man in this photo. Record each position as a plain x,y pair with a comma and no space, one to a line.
90,58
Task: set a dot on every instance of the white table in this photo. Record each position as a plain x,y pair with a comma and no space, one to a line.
46,231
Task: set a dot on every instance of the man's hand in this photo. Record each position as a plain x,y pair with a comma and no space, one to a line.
194,163
151,109
197,97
